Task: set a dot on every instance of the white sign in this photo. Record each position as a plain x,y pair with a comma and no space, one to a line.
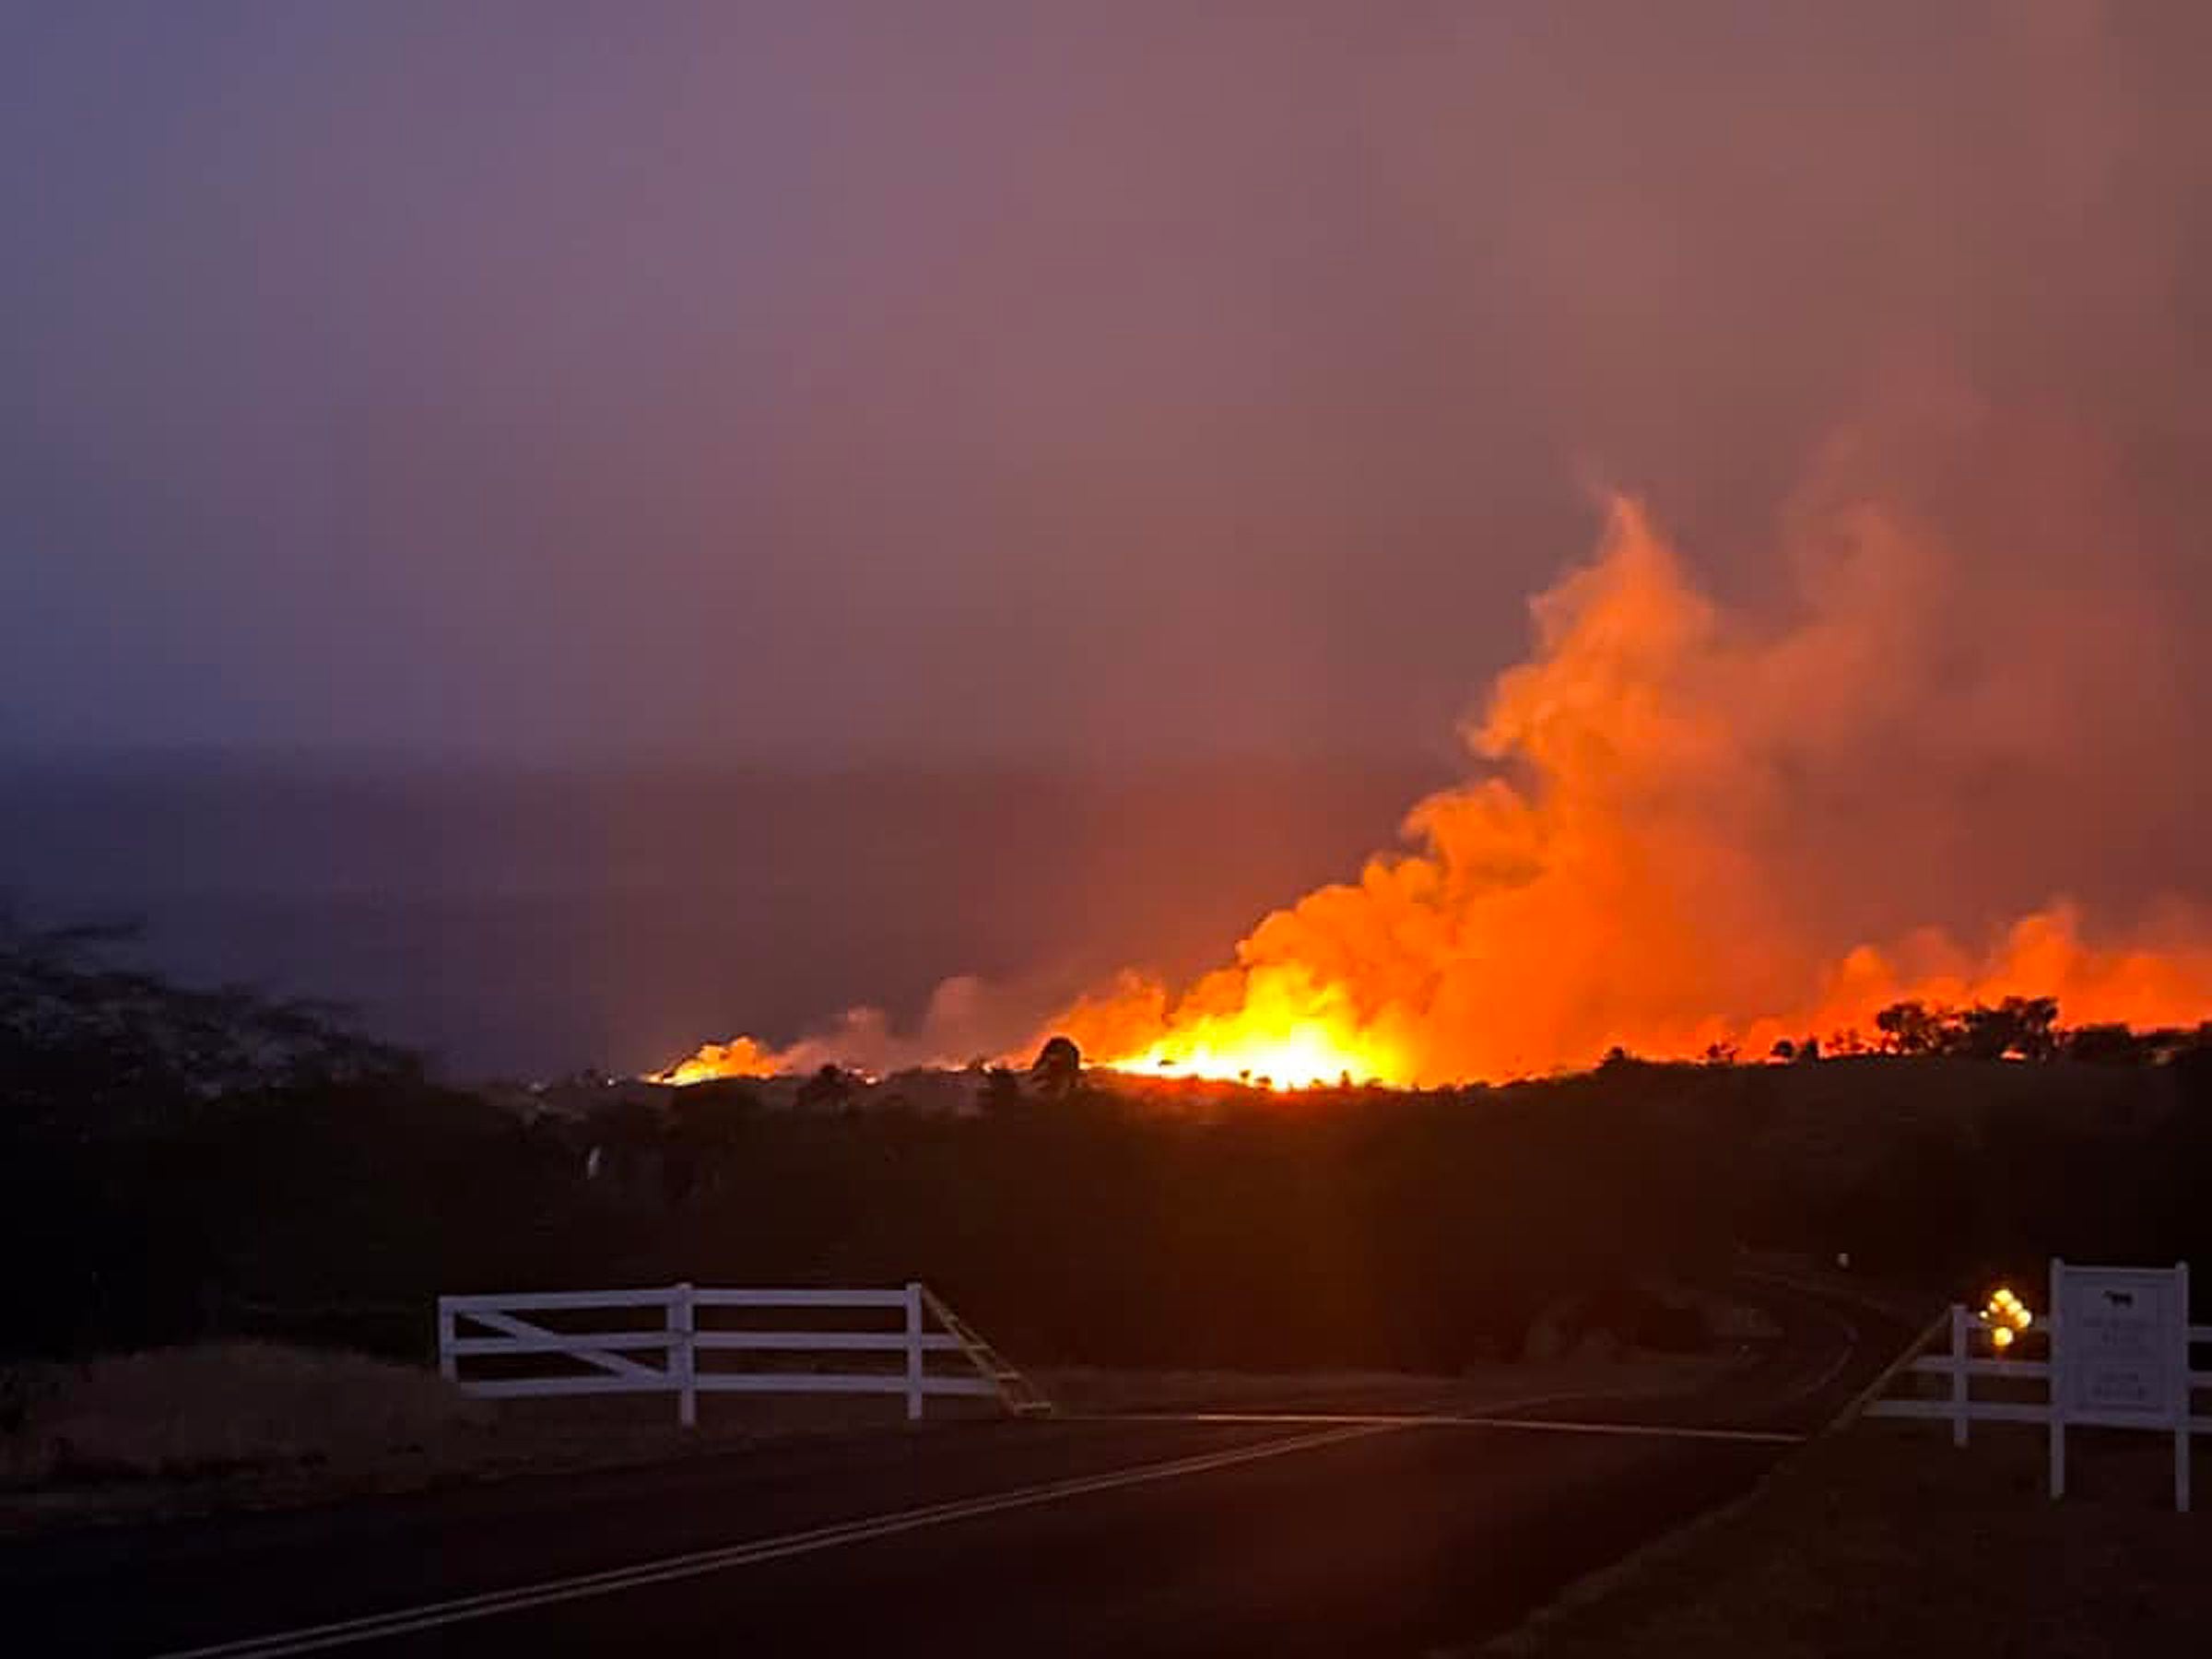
2122,1356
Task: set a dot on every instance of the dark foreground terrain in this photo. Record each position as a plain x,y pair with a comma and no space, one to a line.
1886,1541
1325,1531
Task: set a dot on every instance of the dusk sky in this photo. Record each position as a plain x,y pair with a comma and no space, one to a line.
842,382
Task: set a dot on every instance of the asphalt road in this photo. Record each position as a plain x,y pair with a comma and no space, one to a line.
1321,1532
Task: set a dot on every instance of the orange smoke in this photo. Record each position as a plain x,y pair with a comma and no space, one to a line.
1631,868
1622,876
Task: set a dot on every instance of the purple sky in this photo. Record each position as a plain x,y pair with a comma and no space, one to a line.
839,382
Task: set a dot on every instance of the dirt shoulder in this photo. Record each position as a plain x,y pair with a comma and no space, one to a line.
1884,1540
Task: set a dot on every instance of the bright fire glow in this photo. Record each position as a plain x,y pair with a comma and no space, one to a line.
1621,876
740,1058
1648,854
1283,1026
1301,1057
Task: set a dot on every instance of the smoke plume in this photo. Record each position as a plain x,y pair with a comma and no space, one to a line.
1685,826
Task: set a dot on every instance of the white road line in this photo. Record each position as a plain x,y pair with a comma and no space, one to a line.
405,1622
1448,1420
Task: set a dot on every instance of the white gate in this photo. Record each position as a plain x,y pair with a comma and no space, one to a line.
2120,1356
663,1355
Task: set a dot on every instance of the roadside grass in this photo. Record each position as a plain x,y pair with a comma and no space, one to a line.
219,1407
131,1433
1884,1540
248,1425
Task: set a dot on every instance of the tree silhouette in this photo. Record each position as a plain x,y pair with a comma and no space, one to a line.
1057,1071
88,1042
1913,1028
829,1090
2020,1028
2104,1045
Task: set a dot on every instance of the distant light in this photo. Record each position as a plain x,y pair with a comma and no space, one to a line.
2001,1338
2007,1310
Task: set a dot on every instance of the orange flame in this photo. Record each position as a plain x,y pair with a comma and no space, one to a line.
1630,867
739,1057
1617,880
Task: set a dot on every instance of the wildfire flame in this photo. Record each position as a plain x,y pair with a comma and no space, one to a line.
1625,870
739,1057
1286,1032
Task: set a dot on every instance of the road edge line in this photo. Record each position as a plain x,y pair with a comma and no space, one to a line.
404,1621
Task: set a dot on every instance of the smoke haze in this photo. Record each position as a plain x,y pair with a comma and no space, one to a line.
852,386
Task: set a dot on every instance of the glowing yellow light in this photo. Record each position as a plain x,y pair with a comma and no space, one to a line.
2001,1338
1283,1053
2023,1318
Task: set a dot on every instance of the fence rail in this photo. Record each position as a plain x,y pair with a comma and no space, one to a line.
1961,1365
501,1332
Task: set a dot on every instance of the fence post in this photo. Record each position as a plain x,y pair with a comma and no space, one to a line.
681,1362
449,1363
2186,1405
1960,1352
914,1352
2058,1380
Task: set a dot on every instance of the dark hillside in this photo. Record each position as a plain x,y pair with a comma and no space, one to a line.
322,1188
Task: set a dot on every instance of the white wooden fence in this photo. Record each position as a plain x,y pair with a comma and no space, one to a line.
664,1357
1971,1353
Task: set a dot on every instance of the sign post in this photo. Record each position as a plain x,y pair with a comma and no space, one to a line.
2120,1358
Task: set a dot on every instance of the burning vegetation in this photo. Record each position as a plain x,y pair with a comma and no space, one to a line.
1646,861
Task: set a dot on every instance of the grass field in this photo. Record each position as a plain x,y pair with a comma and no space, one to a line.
1885,1541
